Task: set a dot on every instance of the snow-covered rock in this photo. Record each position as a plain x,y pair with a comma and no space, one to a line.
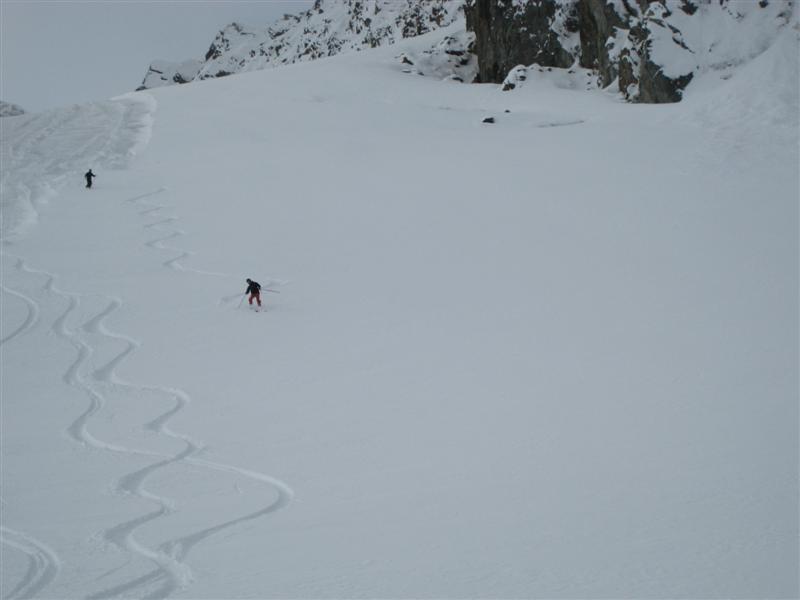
163,72
451,58
10,110
327,29
651,49
575,78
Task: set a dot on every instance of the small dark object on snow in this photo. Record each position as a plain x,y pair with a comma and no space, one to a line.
689,7
89,176
489,120
506,110
406,60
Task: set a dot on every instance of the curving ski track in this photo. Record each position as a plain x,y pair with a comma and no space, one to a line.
171,573
43,563
176,262
108,133
31,318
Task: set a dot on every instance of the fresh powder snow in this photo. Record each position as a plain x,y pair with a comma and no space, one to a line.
551,356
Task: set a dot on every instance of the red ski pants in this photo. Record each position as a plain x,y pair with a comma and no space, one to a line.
257,297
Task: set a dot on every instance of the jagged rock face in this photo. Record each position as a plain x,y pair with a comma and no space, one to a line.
640,77
10,110
650,48
510,33
330,27
597,23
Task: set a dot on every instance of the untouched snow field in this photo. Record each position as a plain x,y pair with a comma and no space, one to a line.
556,356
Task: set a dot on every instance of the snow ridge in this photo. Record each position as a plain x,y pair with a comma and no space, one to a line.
105,134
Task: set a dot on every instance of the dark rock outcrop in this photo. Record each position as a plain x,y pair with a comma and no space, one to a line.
597,21
640,77
638,44
508,34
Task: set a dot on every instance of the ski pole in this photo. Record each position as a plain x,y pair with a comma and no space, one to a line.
242,300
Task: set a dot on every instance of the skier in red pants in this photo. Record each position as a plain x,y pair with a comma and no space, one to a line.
254,289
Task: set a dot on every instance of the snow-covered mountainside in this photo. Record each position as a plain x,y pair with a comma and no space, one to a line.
10,110
649,50
330,27
550,356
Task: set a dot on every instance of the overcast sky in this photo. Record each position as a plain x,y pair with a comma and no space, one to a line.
59,52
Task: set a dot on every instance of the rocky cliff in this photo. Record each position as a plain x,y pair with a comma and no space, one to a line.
649,49
330,27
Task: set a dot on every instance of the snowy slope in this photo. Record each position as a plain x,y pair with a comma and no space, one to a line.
555,356
104,133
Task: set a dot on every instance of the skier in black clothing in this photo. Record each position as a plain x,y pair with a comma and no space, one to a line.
254,289
89,176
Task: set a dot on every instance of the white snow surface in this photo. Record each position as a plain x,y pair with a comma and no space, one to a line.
554,356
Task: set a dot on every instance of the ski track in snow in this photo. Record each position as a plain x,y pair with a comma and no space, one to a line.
176,262
170,232
31,318
43,563
171,573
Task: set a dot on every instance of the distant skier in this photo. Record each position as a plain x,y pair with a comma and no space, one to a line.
89,175
254,289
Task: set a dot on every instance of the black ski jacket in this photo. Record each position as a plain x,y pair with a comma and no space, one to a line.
253,288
